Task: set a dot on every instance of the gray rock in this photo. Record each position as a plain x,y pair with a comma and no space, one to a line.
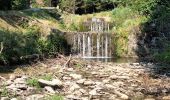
53,83
89,82
76,76
49,89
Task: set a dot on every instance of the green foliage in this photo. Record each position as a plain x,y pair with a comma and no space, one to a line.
125,20
17,45
68,5
163,57
33,82
4,92
20,4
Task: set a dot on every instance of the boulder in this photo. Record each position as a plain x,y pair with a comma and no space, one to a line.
53,83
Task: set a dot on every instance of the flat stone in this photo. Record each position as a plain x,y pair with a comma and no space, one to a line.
49,89
76,76
53,83
81,81
88,82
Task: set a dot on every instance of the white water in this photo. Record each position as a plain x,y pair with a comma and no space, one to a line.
96,43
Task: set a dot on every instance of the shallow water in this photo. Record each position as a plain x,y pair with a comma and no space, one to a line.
115,60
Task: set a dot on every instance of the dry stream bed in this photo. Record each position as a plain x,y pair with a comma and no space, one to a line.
64,79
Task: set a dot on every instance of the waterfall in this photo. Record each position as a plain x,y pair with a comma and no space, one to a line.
98,45
84,45
89,45
106,45
95,43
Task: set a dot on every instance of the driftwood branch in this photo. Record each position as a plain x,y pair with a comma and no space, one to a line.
68,61
2,47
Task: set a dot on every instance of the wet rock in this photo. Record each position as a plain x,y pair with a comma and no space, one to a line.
76,76
49,89
53,83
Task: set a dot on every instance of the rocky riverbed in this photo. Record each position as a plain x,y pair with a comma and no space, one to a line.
64,79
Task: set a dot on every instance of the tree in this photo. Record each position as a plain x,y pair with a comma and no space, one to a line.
20,4
5,4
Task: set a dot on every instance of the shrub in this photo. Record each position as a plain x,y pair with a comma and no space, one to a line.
18,45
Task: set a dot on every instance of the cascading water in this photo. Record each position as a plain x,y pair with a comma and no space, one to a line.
95,43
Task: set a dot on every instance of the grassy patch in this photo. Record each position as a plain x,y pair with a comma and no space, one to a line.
34,81
54,97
